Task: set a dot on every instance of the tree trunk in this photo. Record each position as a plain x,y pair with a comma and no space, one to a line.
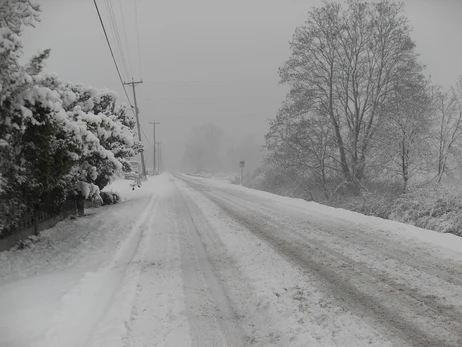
80,203
36,222
404,166
354,187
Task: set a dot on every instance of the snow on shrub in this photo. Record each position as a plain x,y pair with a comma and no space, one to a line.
432,207
110,198
89,191
436,208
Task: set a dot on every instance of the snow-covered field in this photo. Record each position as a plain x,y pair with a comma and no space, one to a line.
188,261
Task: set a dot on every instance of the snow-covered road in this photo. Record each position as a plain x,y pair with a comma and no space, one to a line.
186,261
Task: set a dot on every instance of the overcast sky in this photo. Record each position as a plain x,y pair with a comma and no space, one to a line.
209,61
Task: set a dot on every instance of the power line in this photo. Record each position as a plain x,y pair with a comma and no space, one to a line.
149,142
118,40
212,83
125,34
138,38
211,99
116,66
112,53
115,27
114,36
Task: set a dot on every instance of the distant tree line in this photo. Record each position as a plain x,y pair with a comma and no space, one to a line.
360,107
208,147
57,139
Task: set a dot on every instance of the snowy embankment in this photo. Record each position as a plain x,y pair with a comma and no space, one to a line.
408,212
380,225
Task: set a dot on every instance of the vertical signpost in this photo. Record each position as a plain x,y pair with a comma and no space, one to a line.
154,172
242,165
159,157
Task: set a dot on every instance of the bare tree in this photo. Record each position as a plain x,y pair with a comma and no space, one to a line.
448,130
404,142
301,141
345,64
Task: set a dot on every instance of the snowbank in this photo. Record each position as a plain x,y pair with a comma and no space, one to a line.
410,232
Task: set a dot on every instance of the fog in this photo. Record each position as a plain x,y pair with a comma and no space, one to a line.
209,67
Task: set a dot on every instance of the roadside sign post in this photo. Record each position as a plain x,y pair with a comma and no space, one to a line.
242,165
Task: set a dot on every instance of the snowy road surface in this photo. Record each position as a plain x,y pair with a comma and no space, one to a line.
186,261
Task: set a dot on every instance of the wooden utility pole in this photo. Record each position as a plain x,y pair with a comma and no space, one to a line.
154,155
242,165
133,84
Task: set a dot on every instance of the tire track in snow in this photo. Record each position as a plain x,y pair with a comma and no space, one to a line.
276,302
113,326
100,288
157,314
358,247
211,316
447,270
341,280
360,243
348,245
316,261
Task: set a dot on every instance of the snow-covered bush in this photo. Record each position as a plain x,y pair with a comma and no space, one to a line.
436,208
370,204
110,198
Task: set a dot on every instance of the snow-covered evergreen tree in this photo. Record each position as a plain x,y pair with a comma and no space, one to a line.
57,139
14,15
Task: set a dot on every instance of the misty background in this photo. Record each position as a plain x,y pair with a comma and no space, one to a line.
209,68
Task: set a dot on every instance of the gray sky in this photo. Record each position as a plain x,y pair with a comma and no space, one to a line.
210,61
